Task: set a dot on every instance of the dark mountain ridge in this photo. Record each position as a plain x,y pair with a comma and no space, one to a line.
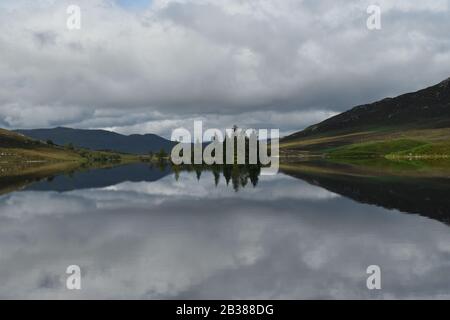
101,140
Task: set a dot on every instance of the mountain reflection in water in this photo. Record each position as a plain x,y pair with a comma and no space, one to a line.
420,195
154,232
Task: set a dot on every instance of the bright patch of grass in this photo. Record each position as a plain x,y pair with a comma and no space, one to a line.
374,149
440,149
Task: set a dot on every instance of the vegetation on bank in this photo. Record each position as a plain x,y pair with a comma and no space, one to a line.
401,148
373,149
426,150
421,144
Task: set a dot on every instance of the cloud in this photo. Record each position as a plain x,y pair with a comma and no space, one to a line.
135,70
285,121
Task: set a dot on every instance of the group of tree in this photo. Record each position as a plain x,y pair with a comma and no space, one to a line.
160,155
233,144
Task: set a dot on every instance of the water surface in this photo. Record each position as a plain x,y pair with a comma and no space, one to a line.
145,232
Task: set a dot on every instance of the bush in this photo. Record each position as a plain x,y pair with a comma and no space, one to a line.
70,146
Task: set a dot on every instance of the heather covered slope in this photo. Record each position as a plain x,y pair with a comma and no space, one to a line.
15,147
416,124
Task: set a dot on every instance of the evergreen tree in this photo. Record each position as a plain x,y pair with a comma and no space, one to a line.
162,154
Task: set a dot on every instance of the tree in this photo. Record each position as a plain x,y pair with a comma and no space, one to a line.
162,154
50,142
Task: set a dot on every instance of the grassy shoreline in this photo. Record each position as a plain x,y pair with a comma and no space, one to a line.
409,144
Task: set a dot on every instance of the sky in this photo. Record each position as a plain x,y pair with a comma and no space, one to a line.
152,66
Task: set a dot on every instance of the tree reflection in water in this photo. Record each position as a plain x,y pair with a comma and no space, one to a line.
239,175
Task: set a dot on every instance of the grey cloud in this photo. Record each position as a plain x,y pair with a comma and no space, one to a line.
45,38
287,122
188,59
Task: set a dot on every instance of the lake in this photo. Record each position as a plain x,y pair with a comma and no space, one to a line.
146,232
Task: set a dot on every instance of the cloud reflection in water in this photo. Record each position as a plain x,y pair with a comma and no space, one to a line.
188,239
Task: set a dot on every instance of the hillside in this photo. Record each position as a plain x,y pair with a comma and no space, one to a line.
15,147
102,140
418,121
21,155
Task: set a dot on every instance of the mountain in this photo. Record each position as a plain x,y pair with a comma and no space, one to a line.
427,108
101,140
415,117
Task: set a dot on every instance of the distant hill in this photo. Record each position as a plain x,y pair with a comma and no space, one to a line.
420,115
102,140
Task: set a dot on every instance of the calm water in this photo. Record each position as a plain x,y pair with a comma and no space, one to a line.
137,232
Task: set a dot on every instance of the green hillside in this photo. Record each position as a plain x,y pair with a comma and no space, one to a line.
411,125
